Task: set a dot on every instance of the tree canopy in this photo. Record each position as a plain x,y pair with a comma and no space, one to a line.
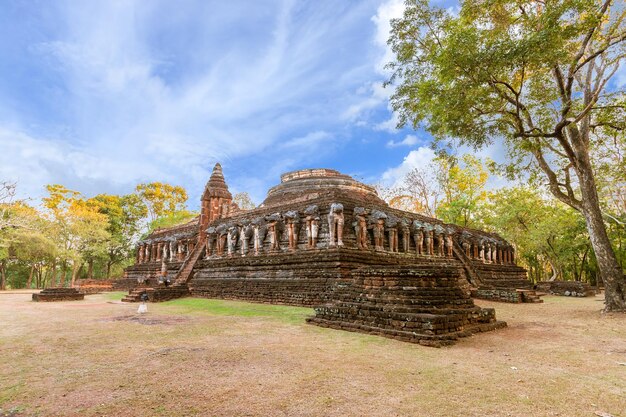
534,74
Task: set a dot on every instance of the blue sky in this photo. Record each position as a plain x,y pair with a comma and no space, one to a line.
102,95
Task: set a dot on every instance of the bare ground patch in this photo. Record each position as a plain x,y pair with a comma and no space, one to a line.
223,358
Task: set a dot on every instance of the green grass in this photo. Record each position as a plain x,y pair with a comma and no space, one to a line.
115,296
287,314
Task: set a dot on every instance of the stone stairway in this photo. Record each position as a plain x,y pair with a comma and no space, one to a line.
158,294
184,273
472,276
529,296
134,295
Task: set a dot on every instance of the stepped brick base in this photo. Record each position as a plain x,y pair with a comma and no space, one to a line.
429,305
504,283
59,294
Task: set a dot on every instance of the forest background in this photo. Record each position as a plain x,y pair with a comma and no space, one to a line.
70,236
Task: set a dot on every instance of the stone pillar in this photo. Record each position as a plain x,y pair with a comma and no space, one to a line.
406,237
475,250
440,245
488,256
428,242
335,225
221,242
392,233
379,235
257,241
171,251
449,246
481,254
179,252
418,238
360,230
243,239
159,250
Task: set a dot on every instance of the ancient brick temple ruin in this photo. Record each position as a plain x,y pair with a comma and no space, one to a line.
325,240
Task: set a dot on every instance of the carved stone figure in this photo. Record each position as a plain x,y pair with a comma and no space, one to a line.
429,244
221,231
405,232
210,241
292,220
164,251
335,225
312,220
439,232
360,228
231,239
273,229
391,226
377,221
258,236
418,237
449,243
246,231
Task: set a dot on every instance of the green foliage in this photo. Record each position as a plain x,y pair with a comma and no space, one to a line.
125,215
533,74
172,219
463,184
162,199
550,238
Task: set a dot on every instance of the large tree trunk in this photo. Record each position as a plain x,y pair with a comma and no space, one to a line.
90,269
30,276
3,276
75,269
610,271
53,275
109,263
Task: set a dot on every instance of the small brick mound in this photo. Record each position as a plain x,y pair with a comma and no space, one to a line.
567,288
94,286
59,294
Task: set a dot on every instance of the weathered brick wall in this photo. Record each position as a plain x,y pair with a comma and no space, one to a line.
93,286
429,304
568,288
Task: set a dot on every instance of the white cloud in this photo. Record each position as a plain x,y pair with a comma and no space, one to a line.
419,158
138,111
390,9
423,156
409,140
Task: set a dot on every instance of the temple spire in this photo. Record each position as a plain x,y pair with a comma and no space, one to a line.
216,199
216,187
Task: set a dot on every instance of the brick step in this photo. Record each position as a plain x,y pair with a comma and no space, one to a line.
530,296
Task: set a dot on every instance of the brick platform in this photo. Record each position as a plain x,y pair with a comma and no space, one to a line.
59,294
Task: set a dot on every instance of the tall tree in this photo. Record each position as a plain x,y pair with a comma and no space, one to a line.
244,201
162,199
462,182
77,227
125,220
533,73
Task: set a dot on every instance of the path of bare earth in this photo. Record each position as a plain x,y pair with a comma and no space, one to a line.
191,357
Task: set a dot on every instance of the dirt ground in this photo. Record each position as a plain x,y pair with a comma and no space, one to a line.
196,357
